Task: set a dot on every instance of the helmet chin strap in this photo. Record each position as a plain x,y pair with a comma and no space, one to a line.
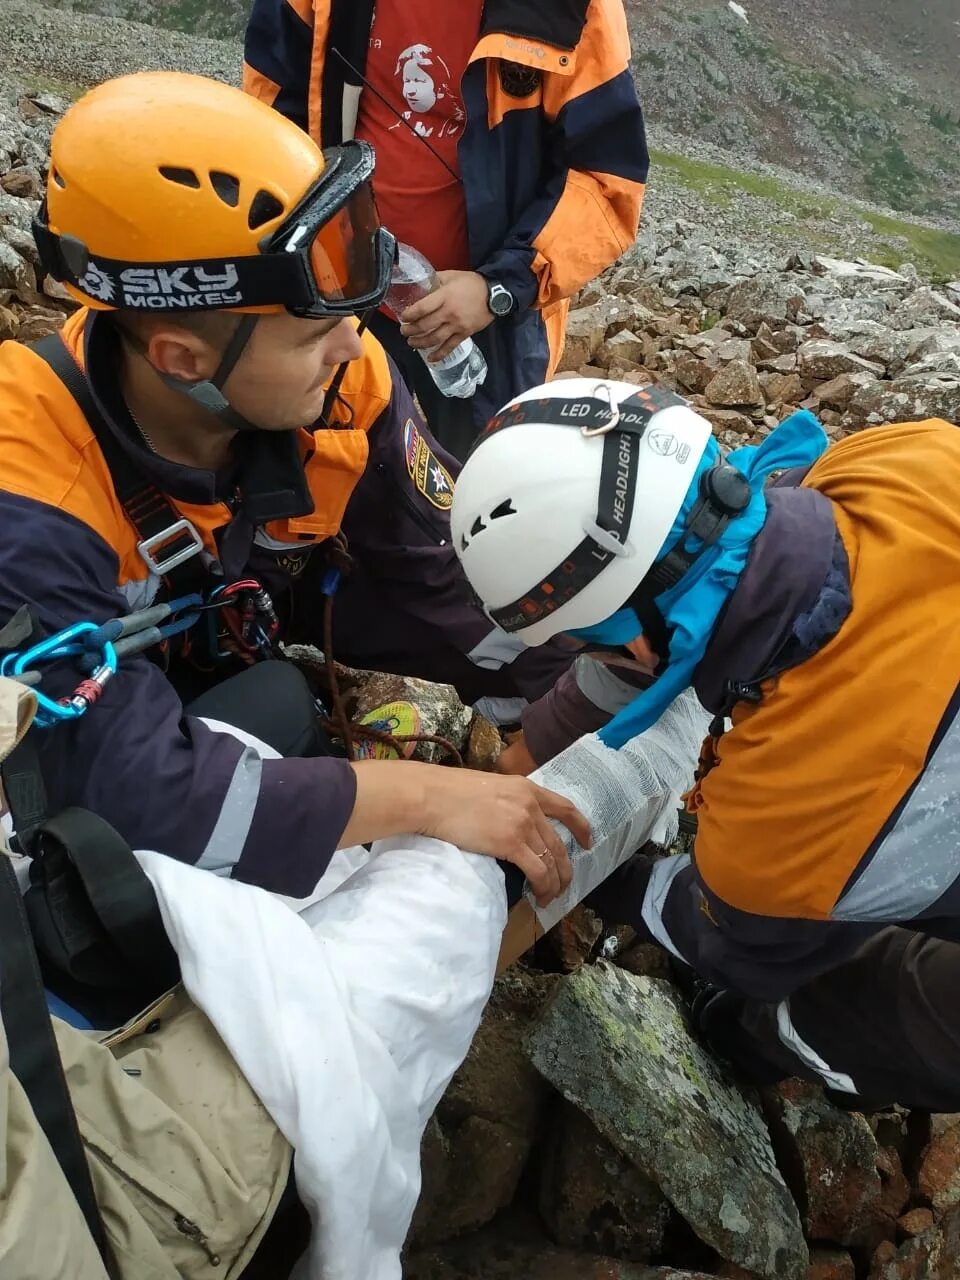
209,393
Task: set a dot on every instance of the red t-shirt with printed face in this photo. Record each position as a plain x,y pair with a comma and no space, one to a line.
419,50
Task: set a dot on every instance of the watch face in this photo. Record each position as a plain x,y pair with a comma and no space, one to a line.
501,300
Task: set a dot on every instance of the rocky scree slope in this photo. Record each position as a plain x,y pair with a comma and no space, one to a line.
865,98
50,48
588,1134
843,91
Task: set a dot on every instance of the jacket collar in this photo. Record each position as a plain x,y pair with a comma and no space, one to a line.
558,23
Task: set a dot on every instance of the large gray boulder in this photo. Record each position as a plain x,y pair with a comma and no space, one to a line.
619,1048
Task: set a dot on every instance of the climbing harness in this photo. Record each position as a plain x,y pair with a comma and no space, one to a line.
250,627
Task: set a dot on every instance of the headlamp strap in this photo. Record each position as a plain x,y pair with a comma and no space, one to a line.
615,501
724,494
594,415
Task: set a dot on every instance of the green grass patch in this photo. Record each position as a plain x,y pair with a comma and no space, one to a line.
68,89
892,178
935,253
931,250
717,184
944,122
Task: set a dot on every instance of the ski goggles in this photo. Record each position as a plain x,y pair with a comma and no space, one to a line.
339,258
329,258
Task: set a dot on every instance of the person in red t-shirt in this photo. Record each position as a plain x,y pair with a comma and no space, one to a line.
510,151
419,51
419,192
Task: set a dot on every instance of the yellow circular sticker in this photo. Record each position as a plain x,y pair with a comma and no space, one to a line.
396,718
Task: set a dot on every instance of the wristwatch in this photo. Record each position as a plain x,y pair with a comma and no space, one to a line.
500,300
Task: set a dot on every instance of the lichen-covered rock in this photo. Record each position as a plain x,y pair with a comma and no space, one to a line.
831,1264
731,427
506,1263
915,1223
693,373
586,330
571,942
36,323
618,1047
829,1158
17,211
941,1121
645,959
782,388
839,391
24,182
592,1198
767,298
624,348
13,268
21,241
9,323
786,363
513,1248
908,399
441,712
821,360
894,1186
925,306
484,745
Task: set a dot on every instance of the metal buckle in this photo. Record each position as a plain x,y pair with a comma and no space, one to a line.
163,566
603,392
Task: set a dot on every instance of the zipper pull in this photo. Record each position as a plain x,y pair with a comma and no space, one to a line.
193,1232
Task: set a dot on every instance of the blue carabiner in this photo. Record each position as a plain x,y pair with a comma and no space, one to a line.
63,644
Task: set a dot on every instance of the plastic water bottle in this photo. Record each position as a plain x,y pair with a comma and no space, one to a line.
460,373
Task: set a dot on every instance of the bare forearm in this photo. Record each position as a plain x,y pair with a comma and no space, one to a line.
392,800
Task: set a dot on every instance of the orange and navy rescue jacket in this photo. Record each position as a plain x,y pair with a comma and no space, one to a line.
553,158
830,810
164,779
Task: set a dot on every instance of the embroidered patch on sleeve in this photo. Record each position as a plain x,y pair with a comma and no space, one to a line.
427,472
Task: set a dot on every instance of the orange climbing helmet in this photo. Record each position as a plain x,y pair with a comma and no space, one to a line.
171,192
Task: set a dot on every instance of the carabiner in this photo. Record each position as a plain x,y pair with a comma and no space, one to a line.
64,644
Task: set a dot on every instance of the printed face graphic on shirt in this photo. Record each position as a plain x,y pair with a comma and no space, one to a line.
426,85
419,90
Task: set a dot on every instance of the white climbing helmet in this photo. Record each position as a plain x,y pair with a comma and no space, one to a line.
567,499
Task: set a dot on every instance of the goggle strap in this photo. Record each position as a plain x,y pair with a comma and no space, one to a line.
200,284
